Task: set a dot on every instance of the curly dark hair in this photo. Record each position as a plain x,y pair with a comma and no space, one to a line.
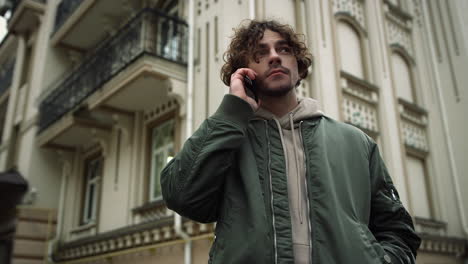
244,47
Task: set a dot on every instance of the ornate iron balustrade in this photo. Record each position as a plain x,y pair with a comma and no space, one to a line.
150,32
64,10
6,75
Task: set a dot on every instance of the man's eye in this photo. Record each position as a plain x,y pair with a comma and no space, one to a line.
285,50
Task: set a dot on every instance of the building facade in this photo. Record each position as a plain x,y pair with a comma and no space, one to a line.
97,95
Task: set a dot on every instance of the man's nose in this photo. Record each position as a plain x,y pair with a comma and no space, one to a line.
274,58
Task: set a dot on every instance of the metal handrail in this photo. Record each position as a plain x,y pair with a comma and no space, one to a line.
150,32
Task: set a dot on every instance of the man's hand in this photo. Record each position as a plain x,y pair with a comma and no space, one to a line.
237,87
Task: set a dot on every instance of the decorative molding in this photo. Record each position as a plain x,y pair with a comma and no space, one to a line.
129,237
101,137
352,8
456,247
430,226
82,231
418,12
397,11
160,110
400,36
359,104
151,211
414,123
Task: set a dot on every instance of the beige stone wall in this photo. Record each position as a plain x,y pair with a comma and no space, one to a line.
439,60
431,258
167,254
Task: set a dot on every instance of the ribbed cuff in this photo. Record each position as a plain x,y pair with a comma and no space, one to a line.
234,109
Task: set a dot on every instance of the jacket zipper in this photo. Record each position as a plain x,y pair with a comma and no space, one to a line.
271,195
307,194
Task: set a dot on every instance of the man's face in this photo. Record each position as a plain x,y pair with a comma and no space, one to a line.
276,65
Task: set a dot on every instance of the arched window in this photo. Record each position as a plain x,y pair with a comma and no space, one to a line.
402,78
350,49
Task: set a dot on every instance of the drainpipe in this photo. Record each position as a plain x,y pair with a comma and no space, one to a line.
65,173
189,120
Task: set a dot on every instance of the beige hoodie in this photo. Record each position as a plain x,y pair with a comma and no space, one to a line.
296,172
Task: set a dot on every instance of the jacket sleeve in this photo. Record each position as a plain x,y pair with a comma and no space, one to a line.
389,221
192,182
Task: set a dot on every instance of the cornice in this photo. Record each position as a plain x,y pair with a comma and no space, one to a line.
127,238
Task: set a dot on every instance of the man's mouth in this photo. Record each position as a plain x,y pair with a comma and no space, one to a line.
277,72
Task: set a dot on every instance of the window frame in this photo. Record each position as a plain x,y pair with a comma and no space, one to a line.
149,172
398,51
422,157
363,45
361,38
95,157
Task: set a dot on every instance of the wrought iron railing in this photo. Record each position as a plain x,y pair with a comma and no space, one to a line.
6,75
64,10
150,32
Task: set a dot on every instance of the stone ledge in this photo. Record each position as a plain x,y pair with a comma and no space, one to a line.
129,237
453,246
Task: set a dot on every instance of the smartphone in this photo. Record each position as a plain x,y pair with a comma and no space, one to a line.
251,88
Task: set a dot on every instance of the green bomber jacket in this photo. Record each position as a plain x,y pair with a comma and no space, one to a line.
232,171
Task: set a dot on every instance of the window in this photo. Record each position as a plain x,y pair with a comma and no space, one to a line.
162,151
93,174
170,32
402,78
350,50
418,187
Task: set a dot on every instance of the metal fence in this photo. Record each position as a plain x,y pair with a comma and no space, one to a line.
150,32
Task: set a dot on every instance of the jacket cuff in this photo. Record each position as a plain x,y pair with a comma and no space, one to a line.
235,110
389,257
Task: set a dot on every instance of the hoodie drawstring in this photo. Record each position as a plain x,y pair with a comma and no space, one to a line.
299,189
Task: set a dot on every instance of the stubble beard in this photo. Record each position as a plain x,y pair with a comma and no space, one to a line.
279,91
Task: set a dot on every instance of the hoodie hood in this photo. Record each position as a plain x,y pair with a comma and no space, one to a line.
307,108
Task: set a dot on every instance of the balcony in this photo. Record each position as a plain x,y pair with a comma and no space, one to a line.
359,105
26,15
136,69
82,24
6,75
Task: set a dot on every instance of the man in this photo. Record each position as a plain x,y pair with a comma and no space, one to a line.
285,183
